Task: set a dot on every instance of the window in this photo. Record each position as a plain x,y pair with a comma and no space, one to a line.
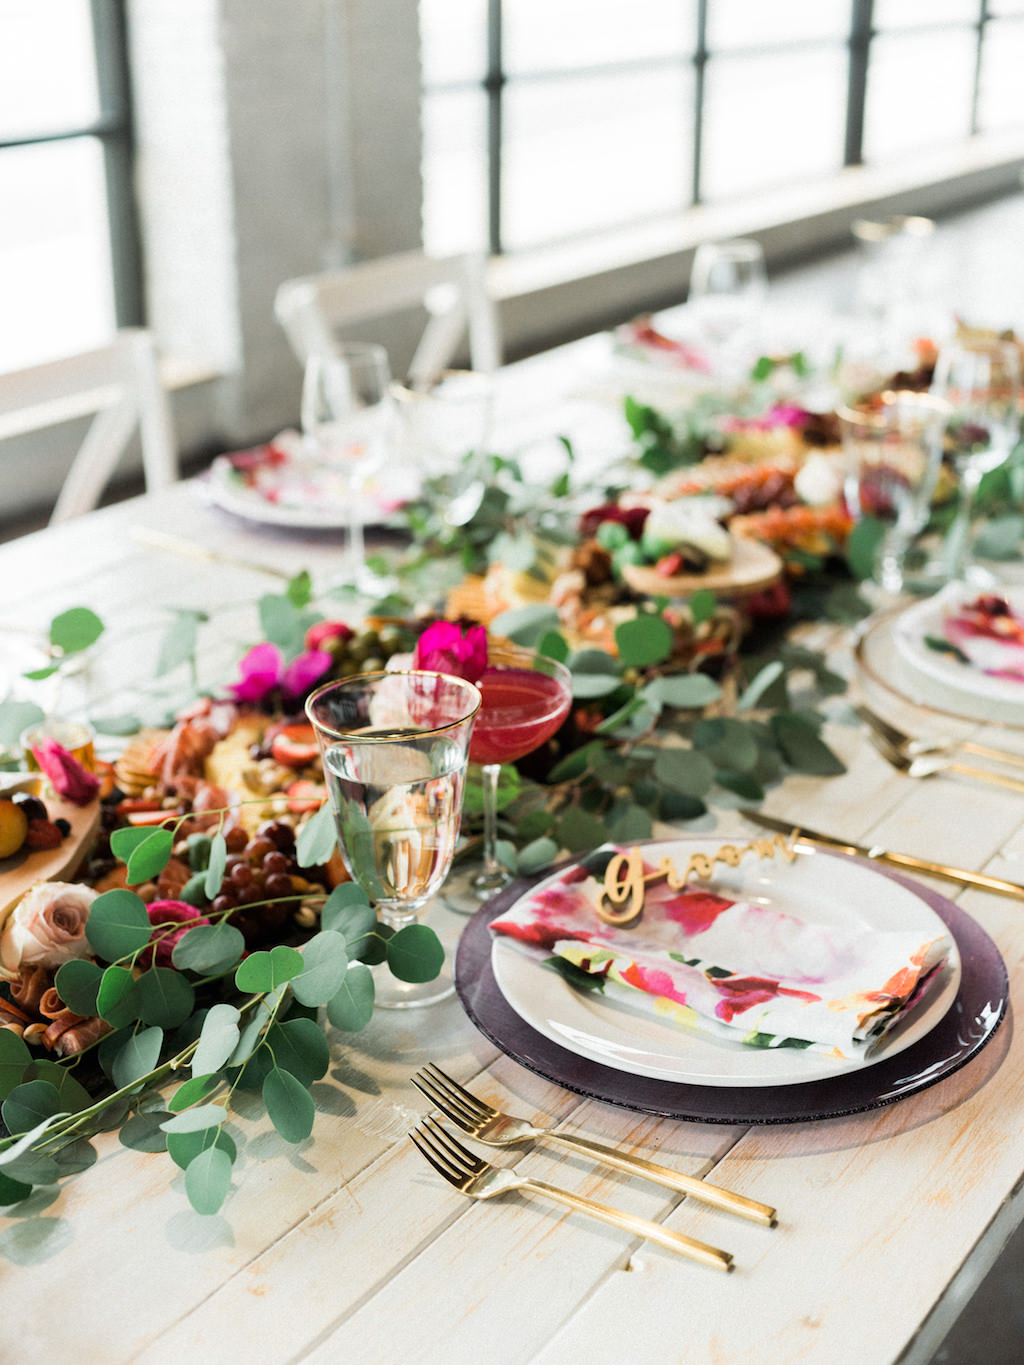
67,263
546,120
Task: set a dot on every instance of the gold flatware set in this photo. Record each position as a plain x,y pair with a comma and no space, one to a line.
476,1178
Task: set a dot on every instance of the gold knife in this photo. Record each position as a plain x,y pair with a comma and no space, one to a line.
802,834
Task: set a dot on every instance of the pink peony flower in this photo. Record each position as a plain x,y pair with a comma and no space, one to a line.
263,669
162,913
47,926
69,778
443,648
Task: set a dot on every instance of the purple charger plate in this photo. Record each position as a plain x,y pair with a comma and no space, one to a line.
970,1023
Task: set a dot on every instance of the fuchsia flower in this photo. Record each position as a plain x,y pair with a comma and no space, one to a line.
263,669
442,648
162,913
69,778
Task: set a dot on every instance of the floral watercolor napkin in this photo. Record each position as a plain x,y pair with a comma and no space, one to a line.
735,970
989,635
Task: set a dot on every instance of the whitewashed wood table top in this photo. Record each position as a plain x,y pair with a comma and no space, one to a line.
349,1248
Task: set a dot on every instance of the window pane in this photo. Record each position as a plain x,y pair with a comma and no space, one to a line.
55,268
453,38
555,35
591,153
755,23
1002,60
758,128
914,14
1006,6
455,172
920,88
47,69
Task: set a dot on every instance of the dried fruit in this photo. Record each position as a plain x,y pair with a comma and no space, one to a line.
14,825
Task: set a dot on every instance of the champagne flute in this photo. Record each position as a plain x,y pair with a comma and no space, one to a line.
980,380
347,422
394,749
525,696
892,446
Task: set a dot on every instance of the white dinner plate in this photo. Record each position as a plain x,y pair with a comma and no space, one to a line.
817,888
276,486
912,629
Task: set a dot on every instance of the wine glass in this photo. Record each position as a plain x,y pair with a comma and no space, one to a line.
525,696
445,420
728,285
348,426
892,446
980,380
394,749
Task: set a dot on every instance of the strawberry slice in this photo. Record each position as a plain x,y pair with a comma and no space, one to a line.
304,795
294,745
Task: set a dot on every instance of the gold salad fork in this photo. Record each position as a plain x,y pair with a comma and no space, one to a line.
915,747
927,765
496,1129
479,1180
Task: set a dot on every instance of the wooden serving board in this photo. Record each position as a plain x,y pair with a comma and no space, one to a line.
30,865
753,566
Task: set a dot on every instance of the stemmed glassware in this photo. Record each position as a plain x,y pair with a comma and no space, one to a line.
525,696
892,447
348,424
394,749
728,285
980,380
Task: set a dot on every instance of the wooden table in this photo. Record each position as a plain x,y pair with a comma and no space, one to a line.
348,1247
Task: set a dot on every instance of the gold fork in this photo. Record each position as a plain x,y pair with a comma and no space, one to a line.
496,1129
927,765
914,747
479,1180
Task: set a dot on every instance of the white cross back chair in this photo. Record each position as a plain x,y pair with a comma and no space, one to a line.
120,383
453,289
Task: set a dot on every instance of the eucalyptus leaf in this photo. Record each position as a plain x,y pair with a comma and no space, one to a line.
208,1180
193,1120
178,644
759,685
687,691
196,1088
138,1057
142,1132
300,1048
30,1104
75,630
675,806
579,832
326,962
317,839
592,686
77,982
646,639
281,623
299,590
629,823
802,748
525,625
151,857
164,997
12,1154
744,784
575,764
70,1090
415,954
863,545
208,949
124,841
537,854
183,1148
215,867
289,1105
702,605
727,742
12,1191
262,971
115,998
14,1058
351,1007
684,770
553,645
124,724
218,1039
75,1157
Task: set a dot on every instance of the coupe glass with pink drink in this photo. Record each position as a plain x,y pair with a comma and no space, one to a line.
524,699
